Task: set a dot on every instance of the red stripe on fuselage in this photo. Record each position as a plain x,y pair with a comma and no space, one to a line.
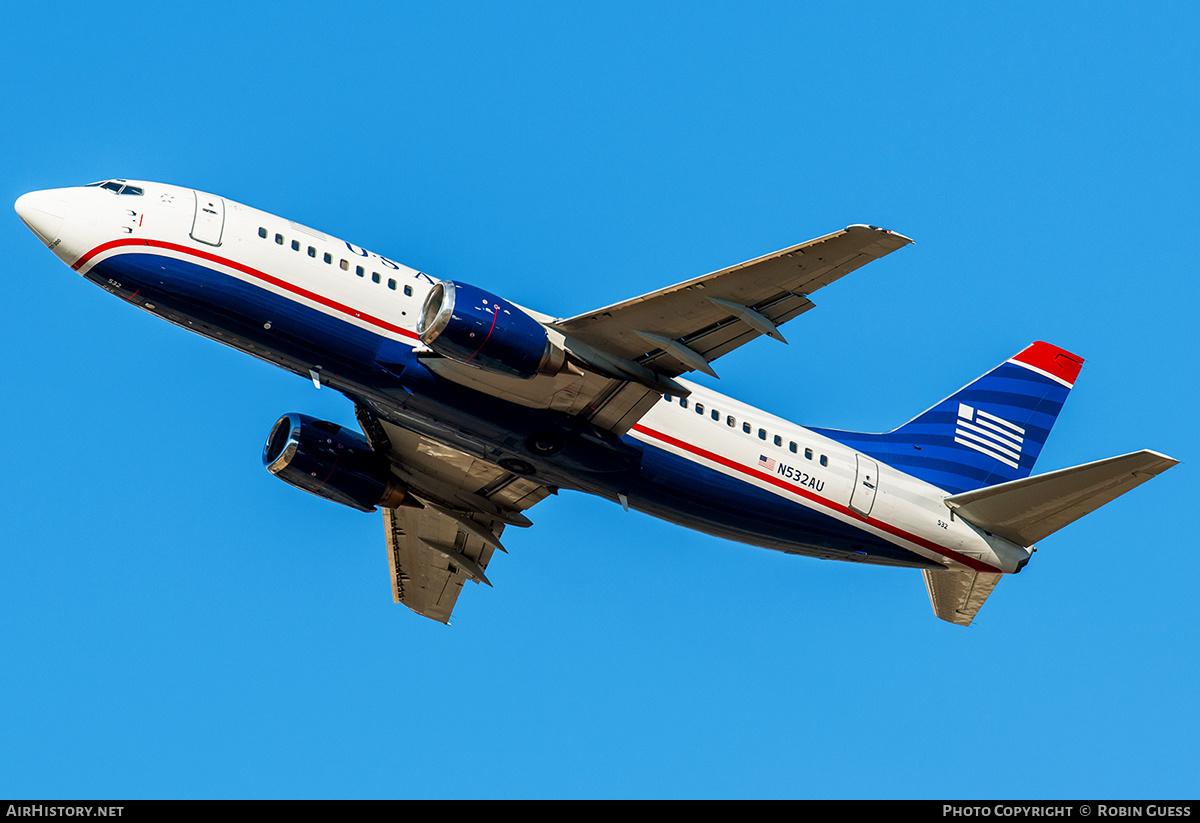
966,560
252,272
970,562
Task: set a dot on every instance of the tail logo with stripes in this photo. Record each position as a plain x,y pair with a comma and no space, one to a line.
989,434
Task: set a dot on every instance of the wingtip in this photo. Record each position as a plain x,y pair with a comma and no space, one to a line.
1166,461
879,229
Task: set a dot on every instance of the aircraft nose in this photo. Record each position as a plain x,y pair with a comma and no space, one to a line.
43,213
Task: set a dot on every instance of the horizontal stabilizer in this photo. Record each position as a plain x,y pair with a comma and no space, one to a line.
1024,511
956,596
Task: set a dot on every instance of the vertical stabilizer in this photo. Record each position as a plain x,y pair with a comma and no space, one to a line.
988,432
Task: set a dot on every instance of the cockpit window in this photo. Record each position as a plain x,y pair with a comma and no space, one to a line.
117,187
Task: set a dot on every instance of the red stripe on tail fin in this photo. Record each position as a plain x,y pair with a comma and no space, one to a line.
1051,360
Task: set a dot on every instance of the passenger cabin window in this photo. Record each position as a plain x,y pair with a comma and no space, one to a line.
391,284
295,245
408,291
262,232
730,422
778,440
792,447
808,454
762,434
746,428
279,239
328,257
716,415
824,460
699,408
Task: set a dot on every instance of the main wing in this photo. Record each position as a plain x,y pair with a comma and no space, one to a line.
623,358
685,327
459,504
450,524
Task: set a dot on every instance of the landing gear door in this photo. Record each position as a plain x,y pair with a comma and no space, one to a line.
866,484
210,219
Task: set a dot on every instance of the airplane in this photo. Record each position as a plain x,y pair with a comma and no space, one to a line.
471,409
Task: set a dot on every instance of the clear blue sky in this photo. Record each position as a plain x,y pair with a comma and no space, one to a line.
174,622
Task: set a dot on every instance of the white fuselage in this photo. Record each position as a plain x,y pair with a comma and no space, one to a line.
366,296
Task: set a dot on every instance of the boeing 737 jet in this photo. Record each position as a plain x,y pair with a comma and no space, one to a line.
472,409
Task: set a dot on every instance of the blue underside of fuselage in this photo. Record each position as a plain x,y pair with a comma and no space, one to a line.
693,495
373,368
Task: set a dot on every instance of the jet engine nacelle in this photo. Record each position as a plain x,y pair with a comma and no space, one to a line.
330,461
475,327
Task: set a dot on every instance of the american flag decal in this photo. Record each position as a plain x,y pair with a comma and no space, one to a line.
989,434
767,463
